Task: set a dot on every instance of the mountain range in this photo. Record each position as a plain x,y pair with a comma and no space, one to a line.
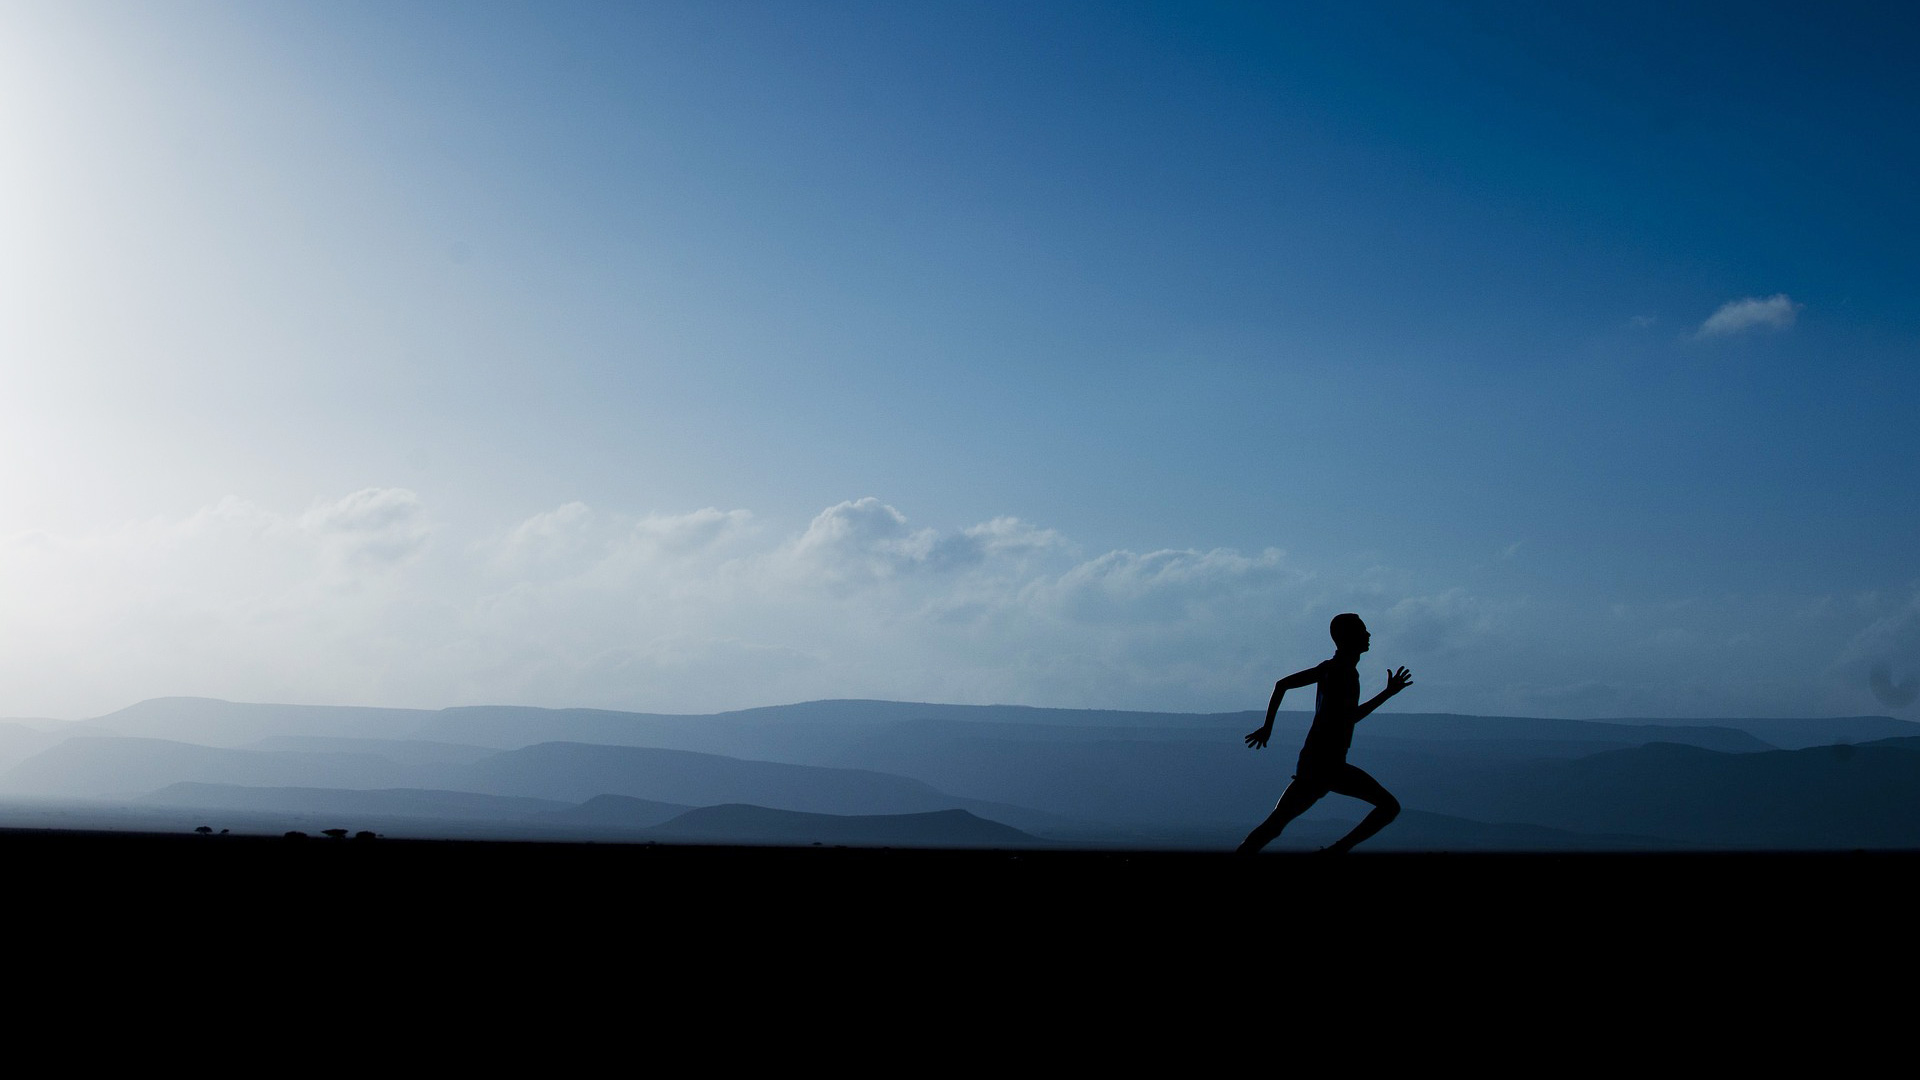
1044,775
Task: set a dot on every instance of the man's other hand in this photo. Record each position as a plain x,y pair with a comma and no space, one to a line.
1398,681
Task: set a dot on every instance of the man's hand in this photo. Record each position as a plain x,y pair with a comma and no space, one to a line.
1398,681
1257,740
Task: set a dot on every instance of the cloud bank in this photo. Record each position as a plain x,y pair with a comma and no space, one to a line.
366,599
1775,312
370,599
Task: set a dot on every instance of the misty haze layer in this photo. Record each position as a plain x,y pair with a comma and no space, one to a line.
880,773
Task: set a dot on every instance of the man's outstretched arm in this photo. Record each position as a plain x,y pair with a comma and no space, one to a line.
1258,739
1396,682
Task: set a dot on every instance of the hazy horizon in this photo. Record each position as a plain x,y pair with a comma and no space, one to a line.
1299,709
683,358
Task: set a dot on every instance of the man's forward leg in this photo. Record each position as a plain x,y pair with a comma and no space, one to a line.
1355,782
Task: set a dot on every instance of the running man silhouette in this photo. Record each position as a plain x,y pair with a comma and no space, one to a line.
1323,760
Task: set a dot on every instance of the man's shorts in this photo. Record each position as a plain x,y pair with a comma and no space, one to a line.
1340,778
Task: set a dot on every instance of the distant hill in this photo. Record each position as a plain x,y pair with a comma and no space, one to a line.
387,802
1420,830
576,772
1416,830
18,742
1569,738
1801,734
616,812
404,751
741,824
1819,797
95,767
212,722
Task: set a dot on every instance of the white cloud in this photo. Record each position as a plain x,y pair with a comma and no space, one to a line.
548,539
1738,316
867,541
1161,586
680,535
862,540
1443,624
374,526
1884,657
1008,535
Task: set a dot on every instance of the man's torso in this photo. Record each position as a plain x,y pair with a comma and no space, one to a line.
1334,705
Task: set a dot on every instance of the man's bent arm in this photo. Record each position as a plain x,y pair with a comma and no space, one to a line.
1396,682
1292,682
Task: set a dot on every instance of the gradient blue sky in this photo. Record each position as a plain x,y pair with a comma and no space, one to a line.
689,356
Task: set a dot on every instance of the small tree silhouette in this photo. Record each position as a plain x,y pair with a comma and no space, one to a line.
335,834
205,830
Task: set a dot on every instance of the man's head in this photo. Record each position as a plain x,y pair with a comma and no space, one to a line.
1349,633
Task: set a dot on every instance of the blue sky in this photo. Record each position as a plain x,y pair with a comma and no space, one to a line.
695,356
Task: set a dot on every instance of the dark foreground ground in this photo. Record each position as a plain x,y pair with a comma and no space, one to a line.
1400,959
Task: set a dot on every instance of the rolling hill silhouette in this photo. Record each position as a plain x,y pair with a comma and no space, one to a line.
1820,797
18,742
212,722
576,772
1419,830
380,802
1144,779
618,812
403,751
111,767
742,824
